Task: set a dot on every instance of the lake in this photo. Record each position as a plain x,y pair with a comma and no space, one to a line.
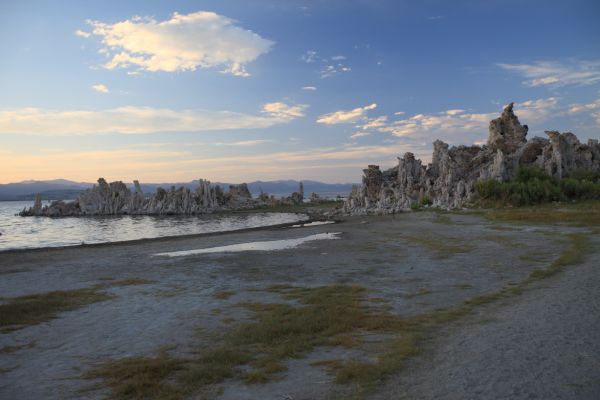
34,232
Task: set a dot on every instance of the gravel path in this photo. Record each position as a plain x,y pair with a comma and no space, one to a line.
544,344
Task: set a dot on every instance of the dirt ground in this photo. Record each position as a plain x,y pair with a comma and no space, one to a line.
540,344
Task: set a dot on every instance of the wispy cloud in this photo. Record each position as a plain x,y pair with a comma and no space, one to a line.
330,65
551,73
578,108
456,126
139,120
100,88
333,69
310,88
309,57
244,143
537,111
184,42
372,123
356,135
441,123
592,108
436,17
344,117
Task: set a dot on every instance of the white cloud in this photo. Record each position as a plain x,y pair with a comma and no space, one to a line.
542,73
455,112
311,88
338,58
82,34
436,17
100,88
184,42
309,57
399,113
138,120
282,111
344,117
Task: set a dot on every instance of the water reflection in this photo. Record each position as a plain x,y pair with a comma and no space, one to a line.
32,232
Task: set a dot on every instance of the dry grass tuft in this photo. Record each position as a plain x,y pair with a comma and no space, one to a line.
12,349
138,377
585,214
19,312
34,309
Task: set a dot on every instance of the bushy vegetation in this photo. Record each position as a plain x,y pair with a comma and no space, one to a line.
532,185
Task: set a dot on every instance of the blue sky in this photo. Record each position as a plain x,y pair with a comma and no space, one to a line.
244,90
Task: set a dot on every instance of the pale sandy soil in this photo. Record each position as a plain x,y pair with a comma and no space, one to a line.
541,344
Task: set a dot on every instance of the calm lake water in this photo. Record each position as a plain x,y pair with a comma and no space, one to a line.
33,232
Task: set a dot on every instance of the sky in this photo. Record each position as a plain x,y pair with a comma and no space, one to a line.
237,91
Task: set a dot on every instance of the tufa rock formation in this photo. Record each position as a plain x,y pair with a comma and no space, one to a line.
296,198
115,198
448,182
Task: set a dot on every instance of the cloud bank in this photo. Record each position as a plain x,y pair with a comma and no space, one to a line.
139,120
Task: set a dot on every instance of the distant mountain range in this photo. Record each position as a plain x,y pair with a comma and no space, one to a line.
62,189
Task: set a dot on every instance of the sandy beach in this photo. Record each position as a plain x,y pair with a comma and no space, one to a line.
540,342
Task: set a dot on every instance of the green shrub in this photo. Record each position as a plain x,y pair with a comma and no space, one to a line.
532,185
585,175
528,174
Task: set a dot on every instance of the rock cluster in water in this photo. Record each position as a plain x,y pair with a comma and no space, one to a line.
116,198
448,181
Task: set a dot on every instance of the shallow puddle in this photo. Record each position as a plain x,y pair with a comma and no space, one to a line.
314,223
271,245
